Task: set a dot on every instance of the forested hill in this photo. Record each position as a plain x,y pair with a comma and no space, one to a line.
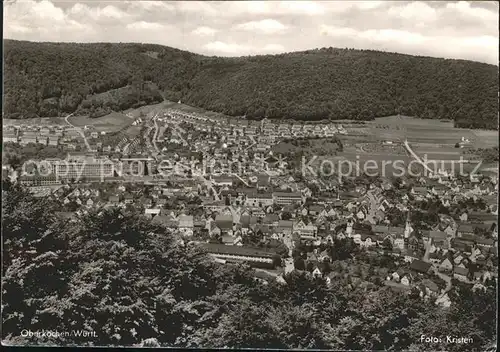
47,79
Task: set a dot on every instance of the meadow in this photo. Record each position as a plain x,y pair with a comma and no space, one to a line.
436,139
110,123
486,138
37,121
434,132
194,110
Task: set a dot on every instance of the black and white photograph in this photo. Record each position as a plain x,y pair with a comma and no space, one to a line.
262,175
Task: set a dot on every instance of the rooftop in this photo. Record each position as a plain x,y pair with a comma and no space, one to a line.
216,248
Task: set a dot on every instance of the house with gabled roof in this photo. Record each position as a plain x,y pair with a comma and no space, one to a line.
367,240
316,272
419,190
213,230
229,240
316,210
438,239
462,246
397,286
285,226
381,230
271,220
485,242
429,287
435,257
263,181
420,266
397,231
128,198
186,224
248,221
399,242
224,222
305,231
446,264
460,273
114,199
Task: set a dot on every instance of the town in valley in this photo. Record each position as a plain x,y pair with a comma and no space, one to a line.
236,187
263,175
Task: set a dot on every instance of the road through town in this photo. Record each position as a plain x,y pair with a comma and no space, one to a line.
79,130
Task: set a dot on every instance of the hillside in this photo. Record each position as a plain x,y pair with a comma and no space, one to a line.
58,78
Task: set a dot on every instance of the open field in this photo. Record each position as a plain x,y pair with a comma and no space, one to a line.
433,140
191,109
167,104
113,122
485,138
39,121
432,132
323,146
442,153
349,139
144,110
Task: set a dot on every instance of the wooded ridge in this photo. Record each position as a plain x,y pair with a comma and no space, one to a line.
51,79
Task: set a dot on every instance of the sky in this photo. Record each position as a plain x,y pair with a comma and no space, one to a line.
462,30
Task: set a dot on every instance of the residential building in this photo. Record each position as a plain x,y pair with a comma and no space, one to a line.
420,266
39,180
239,254
10,136
460,273
259,200
286,198
78,168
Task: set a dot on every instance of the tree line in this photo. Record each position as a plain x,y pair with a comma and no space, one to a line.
43,79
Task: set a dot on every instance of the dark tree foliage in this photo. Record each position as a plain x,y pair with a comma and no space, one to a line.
16,155
46,79
133,283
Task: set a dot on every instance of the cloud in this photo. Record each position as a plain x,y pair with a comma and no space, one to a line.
374,35
464,8
449,46
272,7
149,26
465,30
368,5
225,48
296,8
190,7
392,35
415,11
303,7
30,20
149,6
265,26
273,48
337,31
204,31
105,15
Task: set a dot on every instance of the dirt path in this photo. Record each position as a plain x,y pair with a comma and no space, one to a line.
79,130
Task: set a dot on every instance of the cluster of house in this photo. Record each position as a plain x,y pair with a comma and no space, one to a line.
223,209
289,215
53,135
262,131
